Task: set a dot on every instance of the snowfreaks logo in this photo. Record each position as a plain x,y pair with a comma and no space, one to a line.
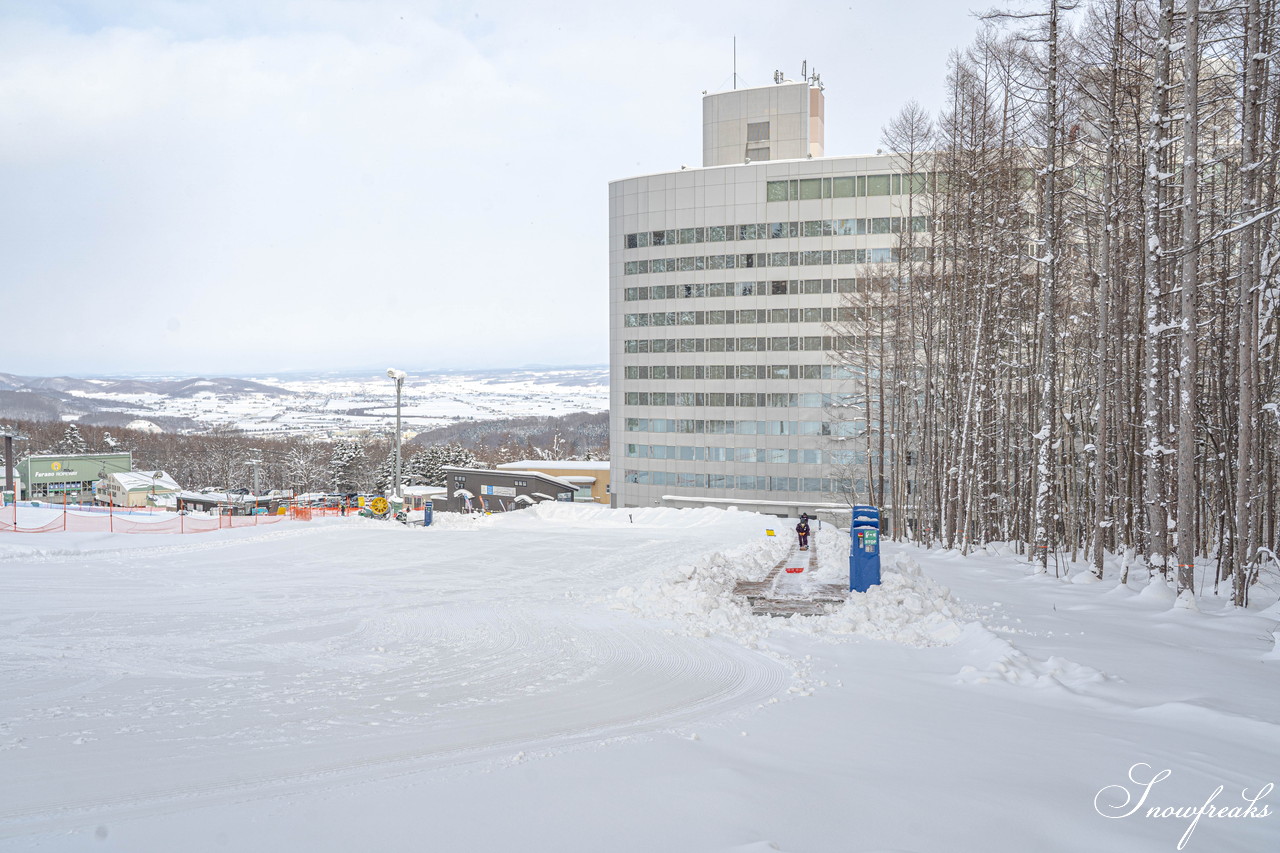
1117,801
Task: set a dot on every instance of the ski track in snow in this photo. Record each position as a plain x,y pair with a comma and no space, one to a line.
138,678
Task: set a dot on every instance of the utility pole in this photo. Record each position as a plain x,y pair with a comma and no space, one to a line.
255,463
8,467
397,376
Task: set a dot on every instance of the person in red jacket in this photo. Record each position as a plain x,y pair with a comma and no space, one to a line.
802,530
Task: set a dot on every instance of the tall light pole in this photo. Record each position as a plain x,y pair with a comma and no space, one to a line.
398,376
9,482
255,462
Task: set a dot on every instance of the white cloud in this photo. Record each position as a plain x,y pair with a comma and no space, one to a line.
426,180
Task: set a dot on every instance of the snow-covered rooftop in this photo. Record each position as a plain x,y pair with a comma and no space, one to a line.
555,465
559,481
145,480
424,490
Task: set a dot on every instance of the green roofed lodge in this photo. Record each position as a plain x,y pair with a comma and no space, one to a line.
69,476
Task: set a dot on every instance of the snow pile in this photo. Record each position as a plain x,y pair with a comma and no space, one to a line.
591,515
1159,591
1273,612
906,608
457,521
598,515
1006,663
699,596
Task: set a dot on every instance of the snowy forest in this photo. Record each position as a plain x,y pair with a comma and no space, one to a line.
226,458
1076,350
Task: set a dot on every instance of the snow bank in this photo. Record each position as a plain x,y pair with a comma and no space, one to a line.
585,515
699,595
907,608
1003,662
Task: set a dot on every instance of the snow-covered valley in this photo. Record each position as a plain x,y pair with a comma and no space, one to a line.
574,678
325,405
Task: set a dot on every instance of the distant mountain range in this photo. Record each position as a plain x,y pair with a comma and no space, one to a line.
56,397
164,387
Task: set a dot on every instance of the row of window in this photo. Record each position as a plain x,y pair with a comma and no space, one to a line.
777,259
747,482
718,398
778,230
758,288
739,371
698,426
765,455
842,314
815,343
853,186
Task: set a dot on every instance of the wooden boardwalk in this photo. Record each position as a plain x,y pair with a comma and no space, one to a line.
783,593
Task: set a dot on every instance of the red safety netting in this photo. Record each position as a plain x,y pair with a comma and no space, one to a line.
71,521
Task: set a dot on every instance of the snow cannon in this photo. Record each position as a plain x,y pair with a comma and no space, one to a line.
864,548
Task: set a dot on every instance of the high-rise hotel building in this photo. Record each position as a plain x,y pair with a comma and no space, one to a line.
727,286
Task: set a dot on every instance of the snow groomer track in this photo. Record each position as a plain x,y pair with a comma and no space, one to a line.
157,678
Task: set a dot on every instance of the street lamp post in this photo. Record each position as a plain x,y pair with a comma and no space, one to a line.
9,482
398,376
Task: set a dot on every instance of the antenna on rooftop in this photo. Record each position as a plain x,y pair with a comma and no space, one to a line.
735,63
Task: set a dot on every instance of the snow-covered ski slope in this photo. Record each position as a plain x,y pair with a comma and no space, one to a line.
573,678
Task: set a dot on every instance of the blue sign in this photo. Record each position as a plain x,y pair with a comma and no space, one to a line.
864,548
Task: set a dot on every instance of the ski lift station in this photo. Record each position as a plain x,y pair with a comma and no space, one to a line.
53,477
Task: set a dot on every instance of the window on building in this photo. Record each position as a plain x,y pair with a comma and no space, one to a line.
757,154
757,131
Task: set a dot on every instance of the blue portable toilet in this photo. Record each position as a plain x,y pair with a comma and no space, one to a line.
426,514
864,548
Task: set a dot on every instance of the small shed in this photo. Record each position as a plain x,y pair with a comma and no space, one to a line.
418,497
134,488
224,503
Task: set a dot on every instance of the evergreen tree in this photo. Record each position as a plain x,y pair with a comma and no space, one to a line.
344,465
72,441
427,464
385,475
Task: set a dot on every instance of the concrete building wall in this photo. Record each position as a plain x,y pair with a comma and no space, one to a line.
764,123
55,475
575,471
787,459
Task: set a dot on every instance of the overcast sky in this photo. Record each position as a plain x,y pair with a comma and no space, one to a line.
248,186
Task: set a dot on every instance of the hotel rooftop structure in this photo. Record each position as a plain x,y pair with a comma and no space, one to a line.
728,285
